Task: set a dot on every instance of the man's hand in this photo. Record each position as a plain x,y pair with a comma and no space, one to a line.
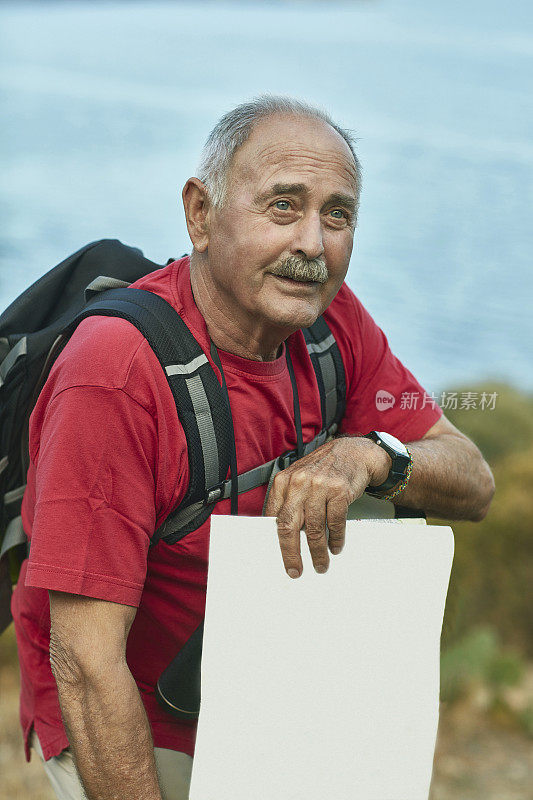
316,491
450,480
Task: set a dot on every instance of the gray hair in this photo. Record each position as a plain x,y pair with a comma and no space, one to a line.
235,127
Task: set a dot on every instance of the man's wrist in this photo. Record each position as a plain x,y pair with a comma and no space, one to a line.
400,468
380,464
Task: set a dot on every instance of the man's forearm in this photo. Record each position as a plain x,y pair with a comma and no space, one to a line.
108,732
450,479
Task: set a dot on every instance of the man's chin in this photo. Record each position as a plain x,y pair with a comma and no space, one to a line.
294,315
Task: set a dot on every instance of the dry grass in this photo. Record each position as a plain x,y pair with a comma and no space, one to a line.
479,760
19,780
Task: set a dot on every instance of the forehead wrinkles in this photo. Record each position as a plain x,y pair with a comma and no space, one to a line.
260,165
276,157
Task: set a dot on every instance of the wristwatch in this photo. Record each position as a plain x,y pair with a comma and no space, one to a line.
401,463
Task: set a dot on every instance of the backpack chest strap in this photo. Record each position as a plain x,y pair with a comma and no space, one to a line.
176,526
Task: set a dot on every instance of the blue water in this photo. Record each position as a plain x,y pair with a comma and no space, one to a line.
106,106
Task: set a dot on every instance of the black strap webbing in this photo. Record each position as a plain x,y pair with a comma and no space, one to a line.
296,404
233,447
329,370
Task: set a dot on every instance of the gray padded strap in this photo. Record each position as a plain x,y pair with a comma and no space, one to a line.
14,535
12,357
206,429
3,463
329,376
187,369
186,515
102,283
326,365
255,477
321,347
15,495
4,347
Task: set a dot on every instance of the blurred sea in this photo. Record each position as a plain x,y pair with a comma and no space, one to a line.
106,106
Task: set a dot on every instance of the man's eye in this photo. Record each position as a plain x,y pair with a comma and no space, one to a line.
336,213
282,205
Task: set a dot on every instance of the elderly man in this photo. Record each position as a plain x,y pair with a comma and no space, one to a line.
271,218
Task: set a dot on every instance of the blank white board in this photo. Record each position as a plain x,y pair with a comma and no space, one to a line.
326,686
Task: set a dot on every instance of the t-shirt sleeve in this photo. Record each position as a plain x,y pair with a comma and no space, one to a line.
382,394
95,504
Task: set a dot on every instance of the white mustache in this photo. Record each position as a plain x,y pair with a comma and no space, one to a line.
300,269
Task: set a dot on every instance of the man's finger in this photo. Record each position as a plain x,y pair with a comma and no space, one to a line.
276,495
337,509
315,529
290,520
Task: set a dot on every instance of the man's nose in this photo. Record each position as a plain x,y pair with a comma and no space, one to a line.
308,237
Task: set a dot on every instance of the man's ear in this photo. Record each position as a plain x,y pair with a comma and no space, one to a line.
196,205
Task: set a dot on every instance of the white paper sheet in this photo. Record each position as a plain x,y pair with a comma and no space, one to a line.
326,686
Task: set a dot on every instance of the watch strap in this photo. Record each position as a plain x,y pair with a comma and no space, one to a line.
399,473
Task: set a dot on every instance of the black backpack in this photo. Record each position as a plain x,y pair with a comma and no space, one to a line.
34,330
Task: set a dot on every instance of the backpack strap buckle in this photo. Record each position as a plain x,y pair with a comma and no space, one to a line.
286,459
215,493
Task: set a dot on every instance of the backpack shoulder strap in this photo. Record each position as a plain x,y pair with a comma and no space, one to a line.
199,399
329,369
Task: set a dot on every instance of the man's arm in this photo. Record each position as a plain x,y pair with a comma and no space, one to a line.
102,710
449,479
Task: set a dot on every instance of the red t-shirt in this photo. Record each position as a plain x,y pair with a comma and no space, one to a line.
109,462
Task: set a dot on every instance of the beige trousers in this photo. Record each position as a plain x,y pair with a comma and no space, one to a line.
173,769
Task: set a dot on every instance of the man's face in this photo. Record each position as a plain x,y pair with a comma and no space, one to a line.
290,200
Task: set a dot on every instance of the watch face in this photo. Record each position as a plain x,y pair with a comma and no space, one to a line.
393,442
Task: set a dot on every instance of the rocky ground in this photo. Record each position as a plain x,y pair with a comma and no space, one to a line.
479,760
475,759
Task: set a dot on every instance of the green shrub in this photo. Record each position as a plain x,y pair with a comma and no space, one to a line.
492,576
479,658
466,662
508,429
